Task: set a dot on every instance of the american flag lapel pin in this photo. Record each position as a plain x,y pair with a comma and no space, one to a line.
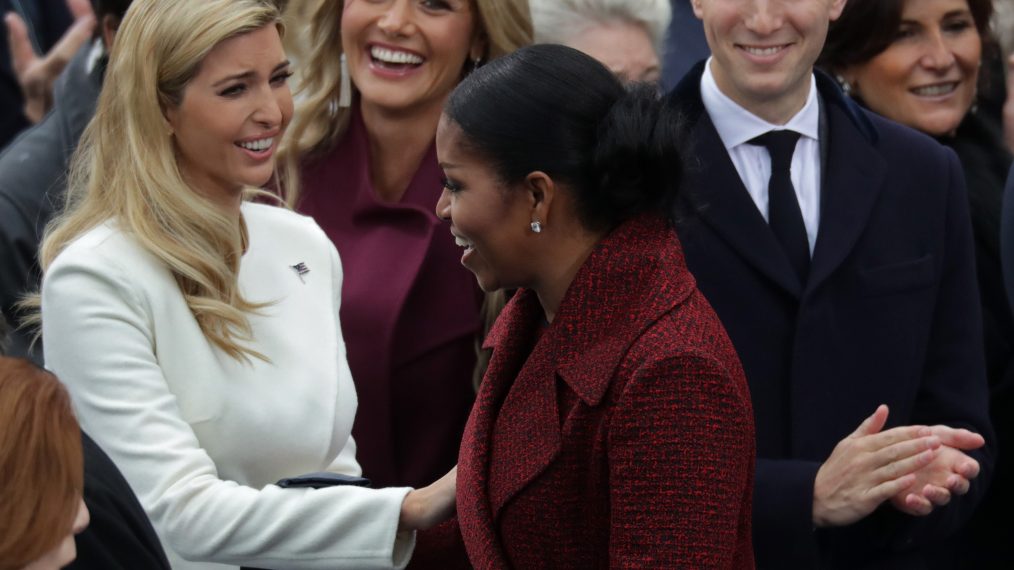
301,270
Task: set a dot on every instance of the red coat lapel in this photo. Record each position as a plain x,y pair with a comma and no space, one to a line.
635,275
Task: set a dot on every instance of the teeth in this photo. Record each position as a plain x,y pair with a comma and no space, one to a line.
762,52
258,145
462,242
935,90
390,56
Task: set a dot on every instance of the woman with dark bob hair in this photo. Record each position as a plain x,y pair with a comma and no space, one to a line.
928,64
613,427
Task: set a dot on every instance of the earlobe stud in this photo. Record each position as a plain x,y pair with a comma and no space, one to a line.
537,226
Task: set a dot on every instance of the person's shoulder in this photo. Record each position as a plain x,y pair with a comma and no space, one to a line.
689,332
276,232
277,217
106,247
895,139
269,220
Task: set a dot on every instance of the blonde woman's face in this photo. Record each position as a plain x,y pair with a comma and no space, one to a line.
66,551
233,114
406,56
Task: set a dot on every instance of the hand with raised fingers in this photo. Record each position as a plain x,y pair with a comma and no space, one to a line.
35,73
868,467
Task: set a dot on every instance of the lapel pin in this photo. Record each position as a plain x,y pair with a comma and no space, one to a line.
301,270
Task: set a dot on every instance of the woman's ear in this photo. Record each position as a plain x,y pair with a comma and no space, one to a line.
169,114
479,50
540,191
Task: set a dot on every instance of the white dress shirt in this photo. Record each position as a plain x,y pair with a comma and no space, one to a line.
202,437
736,126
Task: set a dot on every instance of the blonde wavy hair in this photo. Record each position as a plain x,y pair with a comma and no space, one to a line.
125,168
319,122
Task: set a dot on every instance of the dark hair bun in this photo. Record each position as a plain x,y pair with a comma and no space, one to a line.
636,162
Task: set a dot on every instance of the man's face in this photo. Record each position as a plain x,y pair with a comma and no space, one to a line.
764,50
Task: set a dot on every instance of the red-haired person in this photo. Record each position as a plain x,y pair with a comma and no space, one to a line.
41,471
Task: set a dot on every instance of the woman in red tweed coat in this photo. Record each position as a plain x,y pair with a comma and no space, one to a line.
613,428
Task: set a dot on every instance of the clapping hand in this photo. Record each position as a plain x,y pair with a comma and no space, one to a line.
949,474
869,467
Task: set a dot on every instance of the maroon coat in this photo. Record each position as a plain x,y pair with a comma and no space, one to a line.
409,312
623,439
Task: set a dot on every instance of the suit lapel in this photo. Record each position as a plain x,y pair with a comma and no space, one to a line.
526,436
508,339
853,175
723,202
717,194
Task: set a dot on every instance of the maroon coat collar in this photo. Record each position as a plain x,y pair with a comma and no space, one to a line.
635,275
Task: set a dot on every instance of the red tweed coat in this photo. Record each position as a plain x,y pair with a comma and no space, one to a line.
622,439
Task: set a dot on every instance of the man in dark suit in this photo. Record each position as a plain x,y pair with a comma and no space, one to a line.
836,249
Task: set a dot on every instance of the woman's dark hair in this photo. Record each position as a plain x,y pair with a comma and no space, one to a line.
553,109
868,27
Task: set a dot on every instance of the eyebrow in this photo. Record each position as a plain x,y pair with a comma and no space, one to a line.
446,165
249,74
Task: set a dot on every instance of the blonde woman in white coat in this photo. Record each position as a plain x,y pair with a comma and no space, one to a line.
198,332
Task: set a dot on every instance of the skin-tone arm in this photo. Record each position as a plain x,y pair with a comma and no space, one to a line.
35,73
915,467
431,505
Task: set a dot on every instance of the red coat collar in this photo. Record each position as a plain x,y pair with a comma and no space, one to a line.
635,274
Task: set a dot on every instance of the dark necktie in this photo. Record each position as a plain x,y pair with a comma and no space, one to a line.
784,215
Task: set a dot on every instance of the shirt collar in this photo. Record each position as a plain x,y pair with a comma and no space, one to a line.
736,125
96,53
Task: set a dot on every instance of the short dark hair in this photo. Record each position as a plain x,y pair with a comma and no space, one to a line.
554,109
867,27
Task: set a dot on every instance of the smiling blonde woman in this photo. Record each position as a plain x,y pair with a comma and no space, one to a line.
362,148
197,332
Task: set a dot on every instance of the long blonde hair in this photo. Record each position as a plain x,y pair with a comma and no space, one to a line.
125,167
319,121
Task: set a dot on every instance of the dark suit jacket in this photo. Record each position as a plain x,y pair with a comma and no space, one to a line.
889,314
32,186
619,437
119,535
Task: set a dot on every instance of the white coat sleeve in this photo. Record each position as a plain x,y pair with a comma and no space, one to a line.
97,334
